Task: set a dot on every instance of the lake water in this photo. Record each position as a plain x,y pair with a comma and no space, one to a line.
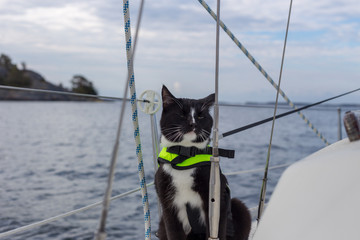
54,158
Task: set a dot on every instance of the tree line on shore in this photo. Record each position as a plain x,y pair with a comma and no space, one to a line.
12,75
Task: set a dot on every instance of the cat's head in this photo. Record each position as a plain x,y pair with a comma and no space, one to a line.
185,122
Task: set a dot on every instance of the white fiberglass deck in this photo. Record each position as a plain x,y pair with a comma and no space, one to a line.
317,197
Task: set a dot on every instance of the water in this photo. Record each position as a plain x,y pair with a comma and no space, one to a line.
54,158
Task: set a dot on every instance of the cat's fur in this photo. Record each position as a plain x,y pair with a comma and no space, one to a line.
187,122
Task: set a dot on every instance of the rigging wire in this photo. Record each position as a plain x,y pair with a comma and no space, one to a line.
261,69
66,93
237,130
263,188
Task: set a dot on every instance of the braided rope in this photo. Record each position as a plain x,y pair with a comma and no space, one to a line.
262,70
135,121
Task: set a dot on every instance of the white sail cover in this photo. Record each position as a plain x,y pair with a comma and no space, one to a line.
317,198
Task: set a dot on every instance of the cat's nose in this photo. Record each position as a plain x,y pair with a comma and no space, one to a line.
193,125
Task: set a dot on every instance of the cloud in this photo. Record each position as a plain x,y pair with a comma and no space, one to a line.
70,17
74,27
177,44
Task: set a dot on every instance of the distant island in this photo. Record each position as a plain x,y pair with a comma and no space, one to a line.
11,75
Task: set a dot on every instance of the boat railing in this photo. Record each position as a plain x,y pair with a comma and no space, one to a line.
116,197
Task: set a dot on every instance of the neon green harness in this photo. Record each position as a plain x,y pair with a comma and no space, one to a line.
182,158
182,162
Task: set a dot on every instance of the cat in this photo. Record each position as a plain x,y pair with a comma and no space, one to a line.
183,191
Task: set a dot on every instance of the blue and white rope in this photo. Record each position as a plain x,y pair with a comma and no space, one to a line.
258,66
135,120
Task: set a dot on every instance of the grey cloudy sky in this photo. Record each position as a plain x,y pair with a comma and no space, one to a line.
61,38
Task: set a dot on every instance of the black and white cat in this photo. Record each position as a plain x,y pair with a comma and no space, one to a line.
184,193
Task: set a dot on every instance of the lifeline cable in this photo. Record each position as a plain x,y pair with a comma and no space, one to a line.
265,179
67,214
65,93
122,195
237,130
262,70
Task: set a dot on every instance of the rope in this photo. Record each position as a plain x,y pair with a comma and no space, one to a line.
237,130
258,66
263,188
135,114
101,234
63,93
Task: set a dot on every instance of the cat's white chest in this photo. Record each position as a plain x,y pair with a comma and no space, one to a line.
183,181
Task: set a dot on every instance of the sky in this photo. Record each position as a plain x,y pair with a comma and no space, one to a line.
176,46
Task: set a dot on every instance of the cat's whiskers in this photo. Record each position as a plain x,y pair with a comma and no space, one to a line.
205,131
168,135
175,127
202,135
173,135
170,128
179,136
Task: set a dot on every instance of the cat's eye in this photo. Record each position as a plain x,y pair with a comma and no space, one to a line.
200,117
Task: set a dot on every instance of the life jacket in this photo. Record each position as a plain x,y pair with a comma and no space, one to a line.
183,158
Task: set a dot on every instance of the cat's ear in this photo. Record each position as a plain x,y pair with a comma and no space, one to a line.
208,101
167,97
